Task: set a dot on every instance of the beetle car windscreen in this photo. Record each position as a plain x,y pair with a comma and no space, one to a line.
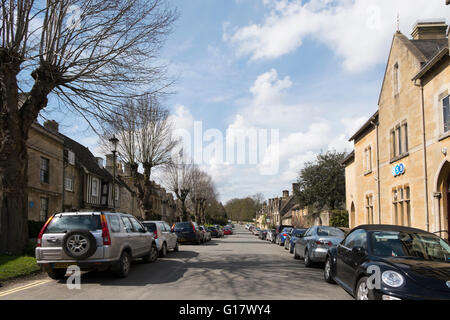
402,244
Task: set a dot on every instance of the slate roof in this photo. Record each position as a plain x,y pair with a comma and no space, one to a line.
85,157
430,47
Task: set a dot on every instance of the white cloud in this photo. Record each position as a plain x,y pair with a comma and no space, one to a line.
357,31
182,118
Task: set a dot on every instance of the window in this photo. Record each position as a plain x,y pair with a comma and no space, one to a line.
45,170
68,184
71,157
369,209
396,80
94,187
114,222
116,193
446,106
399,140
368,160
357,238
402,207
127,224
136,225
43,213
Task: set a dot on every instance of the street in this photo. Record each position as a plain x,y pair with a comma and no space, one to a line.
239,266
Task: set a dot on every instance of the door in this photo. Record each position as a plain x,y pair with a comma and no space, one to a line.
348,260
171,236
131,236
140,236
303,242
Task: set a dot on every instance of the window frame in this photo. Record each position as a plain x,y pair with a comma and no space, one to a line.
44,172
66,179
47,204
444,124
97,188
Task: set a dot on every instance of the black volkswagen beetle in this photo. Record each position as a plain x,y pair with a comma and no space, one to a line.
385,262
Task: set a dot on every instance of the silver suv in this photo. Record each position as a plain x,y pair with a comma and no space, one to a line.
93,240
165,238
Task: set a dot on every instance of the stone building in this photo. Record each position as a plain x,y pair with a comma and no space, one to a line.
45,172
399,170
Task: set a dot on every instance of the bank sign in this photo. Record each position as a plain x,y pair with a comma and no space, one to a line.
398,170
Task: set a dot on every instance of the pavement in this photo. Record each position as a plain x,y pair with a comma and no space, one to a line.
237,267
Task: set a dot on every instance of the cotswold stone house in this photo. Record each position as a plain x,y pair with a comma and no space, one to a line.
399,172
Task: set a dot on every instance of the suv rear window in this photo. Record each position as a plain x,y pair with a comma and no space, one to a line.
180,226
151,227
61,224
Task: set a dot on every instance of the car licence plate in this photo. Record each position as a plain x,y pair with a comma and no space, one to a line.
63,265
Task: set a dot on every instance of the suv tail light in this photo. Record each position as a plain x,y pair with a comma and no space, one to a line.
156,234
193,227
41,233
105,231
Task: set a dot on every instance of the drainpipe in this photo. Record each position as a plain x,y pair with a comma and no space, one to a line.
377,124
418,83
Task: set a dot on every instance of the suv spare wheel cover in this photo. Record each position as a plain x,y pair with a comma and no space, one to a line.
79,244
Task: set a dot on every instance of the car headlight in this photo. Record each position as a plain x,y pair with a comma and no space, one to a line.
392,279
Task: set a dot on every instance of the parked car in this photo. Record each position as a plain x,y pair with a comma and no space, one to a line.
188,232
271,235
413,264
214,232
281,237
220,230
263,234
206,234
292,236
165,238
316,241
227,231
256,231
93,240
280,228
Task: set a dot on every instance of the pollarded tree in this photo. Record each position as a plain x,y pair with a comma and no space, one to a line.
177,178
89,54
146,141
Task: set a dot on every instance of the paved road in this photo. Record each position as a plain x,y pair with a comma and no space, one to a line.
239,266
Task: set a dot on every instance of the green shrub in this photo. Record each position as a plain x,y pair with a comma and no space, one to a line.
339,218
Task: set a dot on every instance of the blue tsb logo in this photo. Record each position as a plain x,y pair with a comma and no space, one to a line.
398,170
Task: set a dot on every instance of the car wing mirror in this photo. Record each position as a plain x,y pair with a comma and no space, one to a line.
359,250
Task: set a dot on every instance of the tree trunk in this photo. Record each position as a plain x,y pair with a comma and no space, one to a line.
13,165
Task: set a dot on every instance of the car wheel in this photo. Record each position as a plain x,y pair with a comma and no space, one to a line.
124,265
291,248
308,262
327,271
152,256
362,290
56,274
296,257
177,247
163,251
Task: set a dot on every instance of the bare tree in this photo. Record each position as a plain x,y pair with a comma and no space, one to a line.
177,178
88,53
145,141
202,193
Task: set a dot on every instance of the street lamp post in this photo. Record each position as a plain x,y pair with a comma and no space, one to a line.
114,141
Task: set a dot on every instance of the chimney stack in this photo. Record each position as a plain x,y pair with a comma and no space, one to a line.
51,125
285,194
430,29
109,162
99,161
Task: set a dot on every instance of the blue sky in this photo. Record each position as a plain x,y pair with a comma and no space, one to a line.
312,69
